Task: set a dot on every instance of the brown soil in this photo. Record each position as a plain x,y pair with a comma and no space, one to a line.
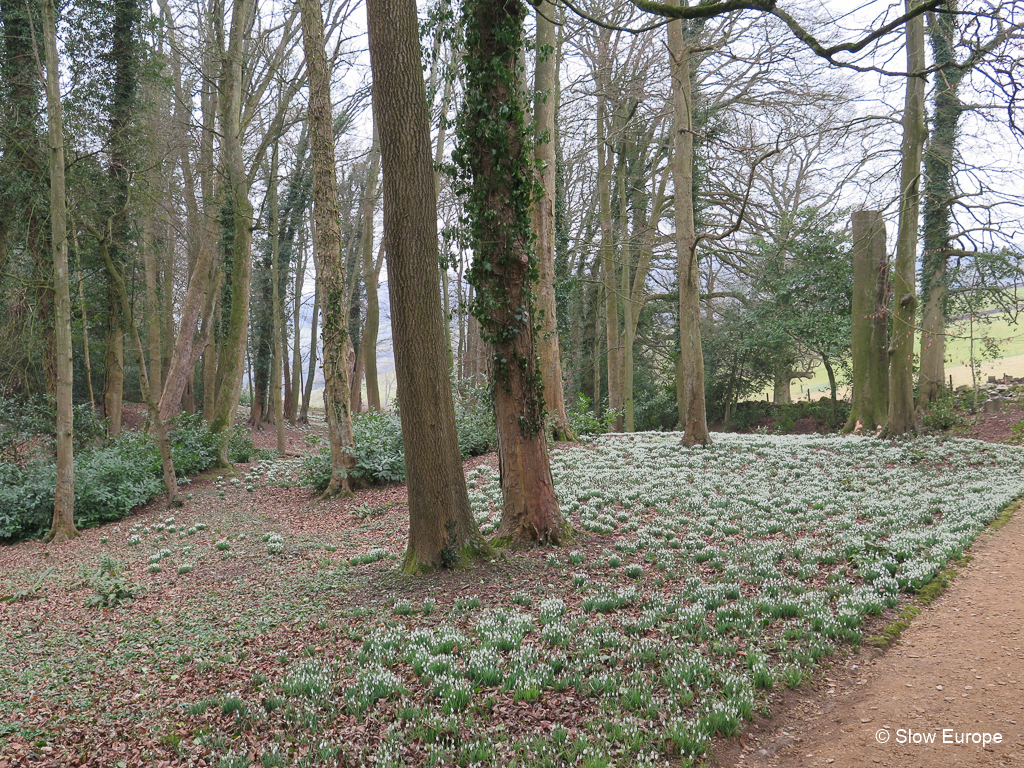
958,669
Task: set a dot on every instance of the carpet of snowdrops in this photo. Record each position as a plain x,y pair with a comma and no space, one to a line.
699,579
739,566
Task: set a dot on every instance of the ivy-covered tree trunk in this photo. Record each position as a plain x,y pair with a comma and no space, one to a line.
690,362
62,526
902,418
442,531
869,324
494,158
940,155
330,268
544,103
231,360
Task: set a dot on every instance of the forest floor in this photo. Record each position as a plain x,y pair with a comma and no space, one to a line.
165,680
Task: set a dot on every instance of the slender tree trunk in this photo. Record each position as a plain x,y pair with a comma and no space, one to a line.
870,324
113,367
690,363
442,531
832,389
152,317
329,262
495,151
125,307
203,286
231,360
85,322
307,392
608,272
300,274
370,278
276,301
902,419
62,526
544,103
939,193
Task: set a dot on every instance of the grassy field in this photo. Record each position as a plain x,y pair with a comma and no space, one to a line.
1008,335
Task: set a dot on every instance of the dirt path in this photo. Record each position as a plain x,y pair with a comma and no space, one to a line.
958,669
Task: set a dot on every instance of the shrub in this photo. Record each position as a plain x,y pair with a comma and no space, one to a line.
584,421
26,498
942,415
378,441
241,448
112,481
28,427
193,447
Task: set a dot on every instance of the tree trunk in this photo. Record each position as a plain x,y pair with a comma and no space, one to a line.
275,245
152,315
613,364
62,526
113,367
782,394
307,391
939,193
368,347
85,322
124,305
901,417
832,388
300,274
330,266
869,324
690,364
442,531
495,159
544,84
231,360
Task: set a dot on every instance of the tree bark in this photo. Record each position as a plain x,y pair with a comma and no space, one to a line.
163,444
275,246
370,279
300,274
113,367
330,266
307,391
690,363
62,527
152,314
901,417
869,324
613,364
495,160
544,85
231,360
939,193
442,531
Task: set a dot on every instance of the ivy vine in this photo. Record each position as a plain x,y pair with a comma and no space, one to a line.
494,172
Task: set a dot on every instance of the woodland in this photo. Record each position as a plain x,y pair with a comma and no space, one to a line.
312,287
